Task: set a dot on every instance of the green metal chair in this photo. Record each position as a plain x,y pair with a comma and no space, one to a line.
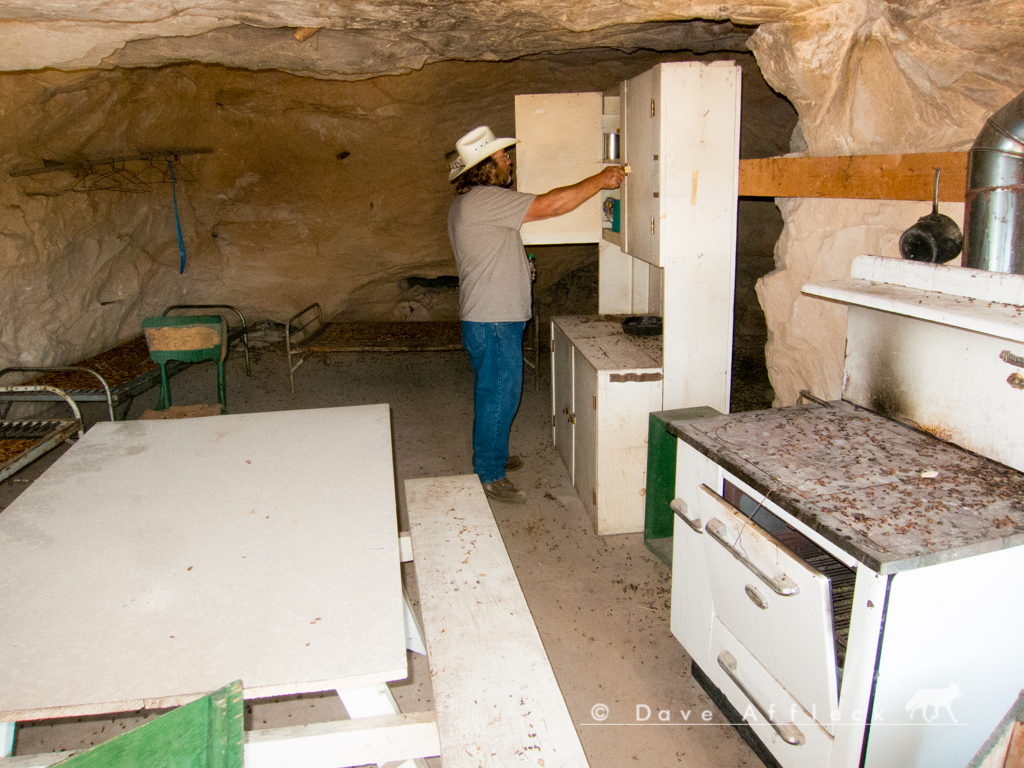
191,339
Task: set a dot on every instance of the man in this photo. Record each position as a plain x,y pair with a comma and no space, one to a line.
494,287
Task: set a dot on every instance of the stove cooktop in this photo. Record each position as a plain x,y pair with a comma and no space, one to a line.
892,497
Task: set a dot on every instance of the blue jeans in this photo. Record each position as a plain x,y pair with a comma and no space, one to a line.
496,352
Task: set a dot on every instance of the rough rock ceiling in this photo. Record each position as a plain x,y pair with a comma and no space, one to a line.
859,72
358,53
355,39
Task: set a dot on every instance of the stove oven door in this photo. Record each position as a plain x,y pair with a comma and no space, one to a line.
776,605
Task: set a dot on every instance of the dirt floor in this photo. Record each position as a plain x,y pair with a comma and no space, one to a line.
601,604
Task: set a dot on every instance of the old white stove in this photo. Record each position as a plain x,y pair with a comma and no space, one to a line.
844,580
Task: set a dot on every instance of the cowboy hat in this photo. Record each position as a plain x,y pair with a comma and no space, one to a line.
475,147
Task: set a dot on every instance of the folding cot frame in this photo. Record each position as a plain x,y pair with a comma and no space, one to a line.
307,334
121,393
42,436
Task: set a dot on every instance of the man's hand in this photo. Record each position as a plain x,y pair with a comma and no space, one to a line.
612,177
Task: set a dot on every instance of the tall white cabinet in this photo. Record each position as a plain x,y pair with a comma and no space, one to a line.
674,255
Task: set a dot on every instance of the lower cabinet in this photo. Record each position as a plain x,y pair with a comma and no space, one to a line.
604,387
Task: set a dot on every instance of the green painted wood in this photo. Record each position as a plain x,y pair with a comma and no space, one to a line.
216,353
207,733
661,478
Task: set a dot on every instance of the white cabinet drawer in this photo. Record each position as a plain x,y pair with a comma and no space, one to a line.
773,602
691,591
785,727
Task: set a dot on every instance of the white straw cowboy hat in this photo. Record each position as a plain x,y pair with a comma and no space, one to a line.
475,147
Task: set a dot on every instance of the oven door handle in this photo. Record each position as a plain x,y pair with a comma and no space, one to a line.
780,585
787,731
679,507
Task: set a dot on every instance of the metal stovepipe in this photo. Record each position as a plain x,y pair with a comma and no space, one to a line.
994,215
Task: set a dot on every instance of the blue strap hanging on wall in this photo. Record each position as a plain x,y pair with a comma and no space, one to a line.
177,220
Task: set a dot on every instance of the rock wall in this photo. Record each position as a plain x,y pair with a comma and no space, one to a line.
278,215
313,190
870,78
807,336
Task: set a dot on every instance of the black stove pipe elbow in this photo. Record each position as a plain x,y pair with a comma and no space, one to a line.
994,214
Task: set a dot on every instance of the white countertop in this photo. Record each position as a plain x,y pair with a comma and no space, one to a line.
607,347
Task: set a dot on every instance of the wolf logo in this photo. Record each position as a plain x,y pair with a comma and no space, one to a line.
933,698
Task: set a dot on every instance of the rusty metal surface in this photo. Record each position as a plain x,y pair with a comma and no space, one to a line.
892,497
385,337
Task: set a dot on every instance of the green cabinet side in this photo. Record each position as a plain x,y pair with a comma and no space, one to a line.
661,478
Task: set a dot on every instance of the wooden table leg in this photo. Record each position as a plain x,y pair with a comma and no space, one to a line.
6,739
372,702
413,629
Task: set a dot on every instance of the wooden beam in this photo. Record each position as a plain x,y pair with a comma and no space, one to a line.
362,741
320,745
867,177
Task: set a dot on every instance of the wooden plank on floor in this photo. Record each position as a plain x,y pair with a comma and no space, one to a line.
868,177
496,697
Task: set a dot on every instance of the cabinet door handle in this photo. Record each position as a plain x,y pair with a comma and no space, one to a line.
780,585
788,731
756,597
679,507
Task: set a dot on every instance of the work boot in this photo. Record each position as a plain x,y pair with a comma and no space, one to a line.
514,463
503,490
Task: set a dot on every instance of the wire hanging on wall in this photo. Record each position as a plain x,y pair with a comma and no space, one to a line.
177,219
133,173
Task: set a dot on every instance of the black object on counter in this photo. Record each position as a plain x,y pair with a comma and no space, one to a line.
642,325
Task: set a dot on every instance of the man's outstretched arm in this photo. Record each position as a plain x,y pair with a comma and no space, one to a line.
564,199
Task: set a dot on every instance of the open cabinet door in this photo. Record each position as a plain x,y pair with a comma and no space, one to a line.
560,143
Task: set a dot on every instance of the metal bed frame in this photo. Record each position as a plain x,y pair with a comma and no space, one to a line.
44,435
302,332
306,334
301,335
118,393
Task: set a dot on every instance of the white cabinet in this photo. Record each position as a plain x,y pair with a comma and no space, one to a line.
679,128
604,386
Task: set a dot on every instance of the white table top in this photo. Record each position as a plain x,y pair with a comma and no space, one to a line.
157,560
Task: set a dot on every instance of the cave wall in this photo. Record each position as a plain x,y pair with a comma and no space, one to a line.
273,220
315,190
870,78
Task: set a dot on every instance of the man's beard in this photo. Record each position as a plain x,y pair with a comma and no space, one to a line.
508,181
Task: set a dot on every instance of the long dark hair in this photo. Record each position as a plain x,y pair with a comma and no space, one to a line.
485,174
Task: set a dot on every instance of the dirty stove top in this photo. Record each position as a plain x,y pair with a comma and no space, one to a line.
892,497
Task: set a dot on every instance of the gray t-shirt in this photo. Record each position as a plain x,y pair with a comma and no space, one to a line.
494,276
